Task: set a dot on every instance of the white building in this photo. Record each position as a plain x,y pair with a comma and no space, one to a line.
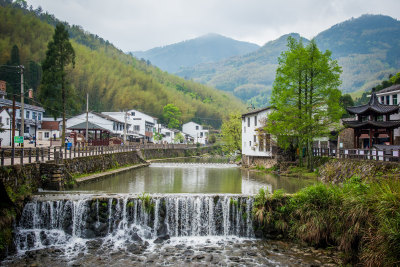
196,131
391,96
99,121
5,120
143,124
32,114
50,129
256,144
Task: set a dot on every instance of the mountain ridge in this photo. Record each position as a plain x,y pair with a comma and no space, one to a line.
207,48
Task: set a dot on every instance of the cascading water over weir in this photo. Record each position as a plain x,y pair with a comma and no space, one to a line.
123,219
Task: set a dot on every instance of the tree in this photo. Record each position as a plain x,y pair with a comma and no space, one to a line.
305,97
55,92
231,131
346,101
171,115
178,138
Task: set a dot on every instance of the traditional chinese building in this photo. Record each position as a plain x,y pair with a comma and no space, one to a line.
373,124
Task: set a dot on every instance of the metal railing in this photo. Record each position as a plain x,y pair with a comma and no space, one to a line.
13,156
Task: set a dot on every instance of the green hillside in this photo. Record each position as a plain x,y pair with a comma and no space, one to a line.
114,80
249,77
208,48
367,48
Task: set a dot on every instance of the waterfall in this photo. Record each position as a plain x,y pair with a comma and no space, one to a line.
128,218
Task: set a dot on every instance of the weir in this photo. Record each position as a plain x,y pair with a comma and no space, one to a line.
124,219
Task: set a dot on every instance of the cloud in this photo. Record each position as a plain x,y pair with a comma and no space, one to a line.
140,25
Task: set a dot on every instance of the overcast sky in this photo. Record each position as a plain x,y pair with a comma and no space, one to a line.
134,25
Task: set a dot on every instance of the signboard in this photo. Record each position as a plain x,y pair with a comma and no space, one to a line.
18,139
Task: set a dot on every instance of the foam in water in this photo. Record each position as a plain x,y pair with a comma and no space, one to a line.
123,219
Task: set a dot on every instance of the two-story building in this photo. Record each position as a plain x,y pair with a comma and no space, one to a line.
257,145
32,114
197,132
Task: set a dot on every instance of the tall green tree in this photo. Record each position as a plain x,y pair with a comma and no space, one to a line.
305,97
55,92
231,131
171,116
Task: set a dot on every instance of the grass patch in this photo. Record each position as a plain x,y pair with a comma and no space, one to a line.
360,219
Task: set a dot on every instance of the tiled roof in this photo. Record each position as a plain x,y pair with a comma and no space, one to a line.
373,106
104,116
50,125
255,111
392,88
91,126
378,124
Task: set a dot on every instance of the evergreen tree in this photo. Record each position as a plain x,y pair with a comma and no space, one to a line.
55,92
305,97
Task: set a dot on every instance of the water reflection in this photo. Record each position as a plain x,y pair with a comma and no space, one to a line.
193,178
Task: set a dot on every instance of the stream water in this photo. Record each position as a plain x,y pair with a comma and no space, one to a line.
197,214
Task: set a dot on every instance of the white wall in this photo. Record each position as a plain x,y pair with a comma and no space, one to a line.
6,135
248,134
199,135
104,123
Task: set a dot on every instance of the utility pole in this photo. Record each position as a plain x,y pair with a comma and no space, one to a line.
22,105
87,117
125,115
13,122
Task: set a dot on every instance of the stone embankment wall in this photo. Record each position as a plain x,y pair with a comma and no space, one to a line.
174,153
338,170
267,162
101,162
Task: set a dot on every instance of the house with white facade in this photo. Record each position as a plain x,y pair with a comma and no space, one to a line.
391,96
99,122
50,129
32,114
133,132
257,145
196,131
5,121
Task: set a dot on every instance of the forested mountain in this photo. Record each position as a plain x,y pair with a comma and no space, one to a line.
208,48
250,76
114,80
367,48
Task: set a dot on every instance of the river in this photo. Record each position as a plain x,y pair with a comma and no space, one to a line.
167,214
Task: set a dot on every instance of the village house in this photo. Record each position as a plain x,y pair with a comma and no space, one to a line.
50,129
99,124
32,114
5,123
196,131
257,148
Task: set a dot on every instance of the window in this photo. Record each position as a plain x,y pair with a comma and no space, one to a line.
244,129
27,114
388,100
201,134
114,126
261,143
39,116
394,99
46,134
34,115
249,143
136,128
133,114
197,127
168,134
1,119
255,120
248,122
8,121
255,138
382,100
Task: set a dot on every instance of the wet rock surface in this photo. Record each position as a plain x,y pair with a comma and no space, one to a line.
177,252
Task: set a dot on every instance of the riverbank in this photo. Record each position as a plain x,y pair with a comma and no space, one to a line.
361,219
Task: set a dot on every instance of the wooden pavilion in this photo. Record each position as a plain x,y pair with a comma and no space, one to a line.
373,125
